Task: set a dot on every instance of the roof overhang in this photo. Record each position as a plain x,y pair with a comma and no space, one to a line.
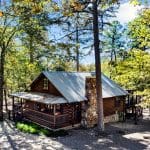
40,97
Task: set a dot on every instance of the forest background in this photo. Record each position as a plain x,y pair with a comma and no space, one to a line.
27,48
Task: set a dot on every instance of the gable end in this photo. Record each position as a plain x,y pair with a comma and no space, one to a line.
40,85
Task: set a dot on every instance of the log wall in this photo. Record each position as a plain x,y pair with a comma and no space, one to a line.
110,107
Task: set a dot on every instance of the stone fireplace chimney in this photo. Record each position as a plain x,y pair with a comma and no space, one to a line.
89,108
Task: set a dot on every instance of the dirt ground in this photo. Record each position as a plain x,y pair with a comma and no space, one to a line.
120,136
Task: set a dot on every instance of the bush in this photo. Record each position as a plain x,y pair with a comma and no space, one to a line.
32,128
44,132
27,128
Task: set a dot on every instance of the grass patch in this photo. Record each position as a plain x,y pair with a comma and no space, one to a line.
32,128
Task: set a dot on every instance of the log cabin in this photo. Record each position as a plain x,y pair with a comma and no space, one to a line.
62,99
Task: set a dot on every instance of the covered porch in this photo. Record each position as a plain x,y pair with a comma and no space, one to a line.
46,110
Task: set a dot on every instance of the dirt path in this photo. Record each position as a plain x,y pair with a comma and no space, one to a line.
121,136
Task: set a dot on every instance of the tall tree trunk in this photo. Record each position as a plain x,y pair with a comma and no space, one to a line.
2,58
5,98
111,56
31,49
112,48
77,44
98,67
102,29
115,55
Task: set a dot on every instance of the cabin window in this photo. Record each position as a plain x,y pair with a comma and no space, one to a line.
45,84
117,102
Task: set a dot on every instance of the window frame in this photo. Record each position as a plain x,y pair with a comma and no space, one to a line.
45,84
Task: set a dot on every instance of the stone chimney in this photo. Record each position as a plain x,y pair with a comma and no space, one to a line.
89,108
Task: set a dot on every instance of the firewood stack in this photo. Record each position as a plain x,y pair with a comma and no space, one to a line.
89,109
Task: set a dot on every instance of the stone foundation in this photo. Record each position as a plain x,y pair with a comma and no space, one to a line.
111,118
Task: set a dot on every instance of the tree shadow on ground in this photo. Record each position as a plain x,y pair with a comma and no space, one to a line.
78,139
114,140
116,137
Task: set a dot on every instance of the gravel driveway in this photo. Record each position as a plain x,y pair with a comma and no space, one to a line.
120,136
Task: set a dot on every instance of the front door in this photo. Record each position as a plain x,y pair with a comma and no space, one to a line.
77,113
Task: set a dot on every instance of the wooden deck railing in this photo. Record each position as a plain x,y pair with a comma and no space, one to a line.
46,120
39,117
62,120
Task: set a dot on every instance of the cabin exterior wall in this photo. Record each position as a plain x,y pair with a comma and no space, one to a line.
112,106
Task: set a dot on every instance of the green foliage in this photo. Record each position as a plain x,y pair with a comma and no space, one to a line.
36,129
139,30
87,68
19,72
29,20
106,68
36,6
114,39
27,128
24,41
135,2
146,98
134,71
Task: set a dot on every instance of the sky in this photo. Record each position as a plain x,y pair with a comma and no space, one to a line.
126,13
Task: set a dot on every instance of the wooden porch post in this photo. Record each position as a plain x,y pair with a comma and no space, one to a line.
21,108
124,107
136,99
73,115
54,115
13,103
135,115
128,100
21,102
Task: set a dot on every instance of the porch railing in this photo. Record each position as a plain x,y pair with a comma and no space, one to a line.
47,120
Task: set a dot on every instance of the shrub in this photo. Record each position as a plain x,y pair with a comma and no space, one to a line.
32,128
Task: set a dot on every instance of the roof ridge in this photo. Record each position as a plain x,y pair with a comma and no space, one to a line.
65,72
